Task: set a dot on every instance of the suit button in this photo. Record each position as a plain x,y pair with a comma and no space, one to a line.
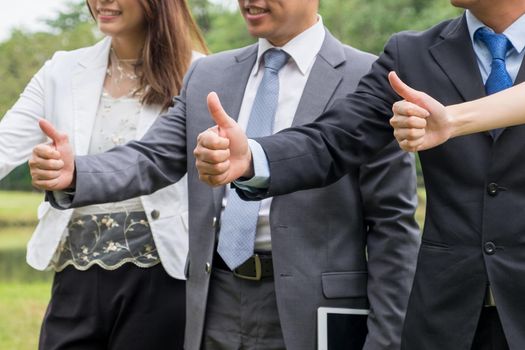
492,189
214,222
489,248
155,214
208,267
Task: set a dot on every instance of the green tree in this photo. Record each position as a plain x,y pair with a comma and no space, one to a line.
76,14
368,25
201,12
228,30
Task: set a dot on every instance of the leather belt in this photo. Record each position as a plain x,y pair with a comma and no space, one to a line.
257,267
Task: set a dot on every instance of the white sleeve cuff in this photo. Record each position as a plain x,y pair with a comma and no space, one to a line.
63,198
261,169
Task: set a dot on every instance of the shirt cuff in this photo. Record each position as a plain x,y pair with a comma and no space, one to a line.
63,198
261,169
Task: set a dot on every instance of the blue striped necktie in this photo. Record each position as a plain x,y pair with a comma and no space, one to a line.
239,220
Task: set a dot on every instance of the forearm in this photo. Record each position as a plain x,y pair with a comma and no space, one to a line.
503,109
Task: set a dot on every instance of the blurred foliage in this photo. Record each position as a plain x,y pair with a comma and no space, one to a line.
18,209
18,180
363,24
25,52
368,25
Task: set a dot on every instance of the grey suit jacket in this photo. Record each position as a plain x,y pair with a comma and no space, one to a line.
352,244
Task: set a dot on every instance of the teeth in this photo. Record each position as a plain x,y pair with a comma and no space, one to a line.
109,13
255,11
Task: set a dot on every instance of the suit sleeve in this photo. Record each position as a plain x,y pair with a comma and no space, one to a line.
332,146
388,190
139,167
19,130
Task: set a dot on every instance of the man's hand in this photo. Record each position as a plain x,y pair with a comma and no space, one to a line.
420,122
222,154
52,165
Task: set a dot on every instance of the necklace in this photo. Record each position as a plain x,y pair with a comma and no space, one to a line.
121,76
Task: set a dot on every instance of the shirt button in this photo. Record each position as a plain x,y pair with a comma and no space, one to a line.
489,248
155,214
492,189
207,268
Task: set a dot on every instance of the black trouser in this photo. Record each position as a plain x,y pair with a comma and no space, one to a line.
127,308
489,334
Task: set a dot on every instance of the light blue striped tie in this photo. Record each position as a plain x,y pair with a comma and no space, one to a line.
499,78
239,220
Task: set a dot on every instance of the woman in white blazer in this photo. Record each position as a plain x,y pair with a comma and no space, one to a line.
120,266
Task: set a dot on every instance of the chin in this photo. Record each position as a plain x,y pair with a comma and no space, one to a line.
258,31
108,30
461,3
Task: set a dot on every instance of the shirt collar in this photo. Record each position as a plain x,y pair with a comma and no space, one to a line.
515,32
302,49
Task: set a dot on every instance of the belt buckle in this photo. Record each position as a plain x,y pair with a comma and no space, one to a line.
258,270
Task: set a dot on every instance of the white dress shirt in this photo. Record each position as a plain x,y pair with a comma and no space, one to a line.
516,35
303,50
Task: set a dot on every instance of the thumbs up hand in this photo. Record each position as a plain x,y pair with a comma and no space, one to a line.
420,122
52,165
222,154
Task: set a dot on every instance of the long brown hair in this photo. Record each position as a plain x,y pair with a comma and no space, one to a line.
171,36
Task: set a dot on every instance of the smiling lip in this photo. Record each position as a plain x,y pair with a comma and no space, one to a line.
107,14
254,13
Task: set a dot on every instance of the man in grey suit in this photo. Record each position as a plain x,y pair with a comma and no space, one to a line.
350,245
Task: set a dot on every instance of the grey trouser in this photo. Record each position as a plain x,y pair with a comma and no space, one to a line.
241,314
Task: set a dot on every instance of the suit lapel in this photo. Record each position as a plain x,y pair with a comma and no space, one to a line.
456,57
458,61
231,91
520,78
322,82
87,85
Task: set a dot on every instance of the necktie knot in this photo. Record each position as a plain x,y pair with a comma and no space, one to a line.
275,59
498,44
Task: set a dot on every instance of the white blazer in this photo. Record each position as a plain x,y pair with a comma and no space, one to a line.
66,91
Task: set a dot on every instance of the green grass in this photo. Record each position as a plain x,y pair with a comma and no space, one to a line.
19,208
24,292
13,266
22,308
13,237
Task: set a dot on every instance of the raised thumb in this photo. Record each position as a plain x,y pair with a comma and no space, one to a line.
50,131
402,89
218,114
